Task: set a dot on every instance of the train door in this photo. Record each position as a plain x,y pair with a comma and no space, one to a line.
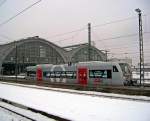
39,74
82,76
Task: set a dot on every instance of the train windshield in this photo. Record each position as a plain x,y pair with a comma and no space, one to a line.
125,67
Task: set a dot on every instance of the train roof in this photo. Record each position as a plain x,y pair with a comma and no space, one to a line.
97,62
44,65
88,63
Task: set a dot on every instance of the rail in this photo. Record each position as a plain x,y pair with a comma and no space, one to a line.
57,118
14,112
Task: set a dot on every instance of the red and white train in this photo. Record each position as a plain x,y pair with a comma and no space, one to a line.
83,73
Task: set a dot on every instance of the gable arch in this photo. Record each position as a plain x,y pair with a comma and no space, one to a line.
81,54
31,51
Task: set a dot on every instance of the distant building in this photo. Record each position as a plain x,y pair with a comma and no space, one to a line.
79,53
34,50
146,67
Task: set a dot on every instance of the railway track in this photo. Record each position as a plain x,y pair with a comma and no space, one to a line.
10,103
18,114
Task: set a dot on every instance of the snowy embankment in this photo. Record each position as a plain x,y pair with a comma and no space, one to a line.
77,107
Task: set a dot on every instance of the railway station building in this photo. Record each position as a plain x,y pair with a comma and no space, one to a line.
16,56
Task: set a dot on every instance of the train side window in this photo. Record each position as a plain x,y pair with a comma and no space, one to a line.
52,74
46,74
63,74
115,69
57,74
71,74
109,74
60,74
74,74
31,73
91,74
100,74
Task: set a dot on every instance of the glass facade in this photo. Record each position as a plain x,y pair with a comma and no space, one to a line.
28,54
82,55
34,52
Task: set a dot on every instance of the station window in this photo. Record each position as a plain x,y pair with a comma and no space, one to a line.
100,74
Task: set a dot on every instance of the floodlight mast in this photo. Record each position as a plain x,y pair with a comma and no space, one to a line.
138,10
141,46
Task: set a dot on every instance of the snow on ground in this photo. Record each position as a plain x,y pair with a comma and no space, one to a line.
111,95
77,107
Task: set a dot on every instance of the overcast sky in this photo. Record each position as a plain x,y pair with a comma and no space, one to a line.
53,17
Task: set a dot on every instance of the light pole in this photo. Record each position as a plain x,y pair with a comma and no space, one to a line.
141,46
16,60
89,41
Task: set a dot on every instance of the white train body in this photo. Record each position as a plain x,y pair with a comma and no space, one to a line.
83,73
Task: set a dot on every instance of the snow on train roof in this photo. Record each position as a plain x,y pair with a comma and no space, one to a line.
97,62
88,63
44,65
40,65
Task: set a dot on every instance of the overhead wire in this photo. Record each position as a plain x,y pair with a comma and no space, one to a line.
122,36
118,21
100,25
64,39
116,37
126,46
108,47
2,2
111,22
129,53
96,35
11,18
81,29
78,30
57,35
72,36
6,37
